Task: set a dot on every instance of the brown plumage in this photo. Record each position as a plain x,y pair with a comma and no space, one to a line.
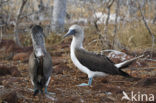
40,62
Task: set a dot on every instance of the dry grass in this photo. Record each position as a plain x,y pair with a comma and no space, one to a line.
53,38
133,35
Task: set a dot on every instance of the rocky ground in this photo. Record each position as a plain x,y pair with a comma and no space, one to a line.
15,85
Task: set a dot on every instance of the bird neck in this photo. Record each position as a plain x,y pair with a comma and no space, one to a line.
38,42
77,42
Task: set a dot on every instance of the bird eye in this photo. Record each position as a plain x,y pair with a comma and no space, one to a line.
75,31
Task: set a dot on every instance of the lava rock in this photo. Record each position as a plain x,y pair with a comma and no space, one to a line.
58,69
8,82
9,71
15,72
9,97
57,60
72,99
146,82
4,71
21,56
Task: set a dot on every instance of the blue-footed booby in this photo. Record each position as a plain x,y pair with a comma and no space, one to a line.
90,63
40,62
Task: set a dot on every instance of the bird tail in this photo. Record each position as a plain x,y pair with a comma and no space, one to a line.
124,74
127,62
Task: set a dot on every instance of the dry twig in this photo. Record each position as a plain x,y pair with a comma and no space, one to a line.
16,36
147,27
1,35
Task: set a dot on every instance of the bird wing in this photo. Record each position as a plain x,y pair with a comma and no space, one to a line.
96,62
35,68
47,66
32,67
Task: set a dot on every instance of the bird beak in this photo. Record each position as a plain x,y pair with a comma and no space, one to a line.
70,32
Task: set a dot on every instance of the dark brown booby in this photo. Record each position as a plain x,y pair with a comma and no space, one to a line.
40,62
90,63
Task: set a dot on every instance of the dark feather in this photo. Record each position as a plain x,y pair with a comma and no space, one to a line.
36,92
97,62
40,70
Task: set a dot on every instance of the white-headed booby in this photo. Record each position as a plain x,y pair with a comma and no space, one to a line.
90,63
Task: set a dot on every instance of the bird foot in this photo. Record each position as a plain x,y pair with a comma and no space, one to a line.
31,90
50,93
50,97
83,84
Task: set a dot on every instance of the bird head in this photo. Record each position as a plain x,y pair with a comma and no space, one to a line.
74,30
38,41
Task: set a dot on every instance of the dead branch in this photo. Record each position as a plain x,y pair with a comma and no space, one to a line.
92,42
147,69
1,35
16,36
111,50
95,24
150,60
116,17
105,38
3,2
116,43
28,15
147,27
110,3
